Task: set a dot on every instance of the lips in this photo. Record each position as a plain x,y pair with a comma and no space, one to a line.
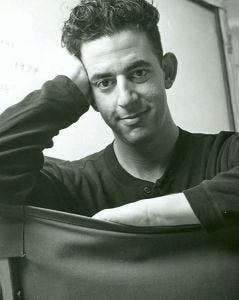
133,116
134,119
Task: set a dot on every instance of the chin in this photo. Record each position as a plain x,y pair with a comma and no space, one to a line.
134,138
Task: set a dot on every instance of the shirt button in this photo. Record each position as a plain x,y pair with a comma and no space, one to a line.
147,190
19,295
227,213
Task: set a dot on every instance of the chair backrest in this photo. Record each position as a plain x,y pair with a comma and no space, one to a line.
11,247
63,256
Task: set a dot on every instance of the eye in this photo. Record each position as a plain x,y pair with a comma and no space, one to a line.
105,84
140,75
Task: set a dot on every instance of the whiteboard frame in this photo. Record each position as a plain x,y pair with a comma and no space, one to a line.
228,50
227,60
215,3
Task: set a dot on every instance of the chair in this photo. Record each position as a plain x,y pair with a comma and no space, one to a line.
49,254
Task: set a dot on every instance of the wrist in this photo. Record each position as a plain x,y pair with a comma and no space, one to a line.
64,90
171,210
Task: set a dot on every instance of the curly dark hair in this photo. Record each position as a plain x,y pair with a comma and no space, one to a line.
92,19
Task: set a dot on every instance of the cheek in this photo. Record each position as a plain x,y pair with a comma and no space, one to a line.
98,98
106,102
105,106
154,92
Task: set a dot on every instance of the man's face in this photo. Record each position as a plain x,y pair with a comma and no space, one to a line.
128,85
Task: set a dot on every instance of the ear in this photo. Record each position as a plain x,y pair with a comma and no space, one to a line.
169,66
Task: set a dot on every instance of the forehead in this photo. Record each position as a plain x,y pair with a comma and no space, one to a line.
116,52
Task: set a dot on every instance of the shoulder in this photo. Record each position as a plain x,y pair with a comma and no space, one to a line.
222,146
216,140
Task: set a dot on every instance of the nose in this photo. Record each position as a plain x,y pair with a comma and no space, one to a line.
127,95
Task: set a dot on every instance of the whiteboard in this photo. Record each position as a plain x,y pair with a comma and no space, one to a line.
30,54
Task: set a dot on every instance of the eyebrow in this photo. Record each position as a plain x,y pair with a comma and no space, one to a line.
134,65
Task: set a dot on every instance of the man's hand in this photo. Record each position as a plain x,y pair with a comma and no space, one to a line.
168,210
75,70
80,78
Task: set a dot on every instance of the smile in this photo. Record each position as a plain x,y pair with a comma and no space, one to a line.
134,119
134,116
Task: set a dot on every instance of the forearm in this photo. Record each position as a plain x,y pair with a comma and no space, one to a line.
27,128
173,209
170,210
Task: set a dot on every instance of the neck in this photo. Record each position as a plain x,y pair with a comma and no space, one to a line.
149,160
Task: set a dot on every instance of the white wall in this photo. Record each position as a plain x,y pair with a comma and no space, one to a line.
30,54
199,98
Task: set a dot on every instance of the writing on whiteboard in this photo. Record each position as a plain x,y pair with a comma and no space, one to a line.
6,88
7,44
20,66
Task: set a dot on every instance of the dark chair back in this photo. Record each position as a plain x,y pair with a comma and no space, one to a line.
64,256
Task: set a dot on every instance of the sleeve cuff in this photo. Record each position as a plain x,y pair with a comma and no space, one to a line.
204,208
67,92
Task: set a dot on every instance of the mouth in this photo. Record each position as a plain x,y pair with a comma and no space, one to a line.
134,116
134,119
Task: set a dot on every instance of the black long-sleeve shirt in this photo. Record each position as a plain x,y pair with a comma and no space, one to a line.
203,166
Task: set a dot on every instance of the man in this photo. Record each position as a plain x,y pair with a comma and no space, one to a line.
153,173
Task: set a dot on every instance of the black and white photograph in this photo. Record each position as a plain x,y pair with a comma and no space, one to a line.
119,150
